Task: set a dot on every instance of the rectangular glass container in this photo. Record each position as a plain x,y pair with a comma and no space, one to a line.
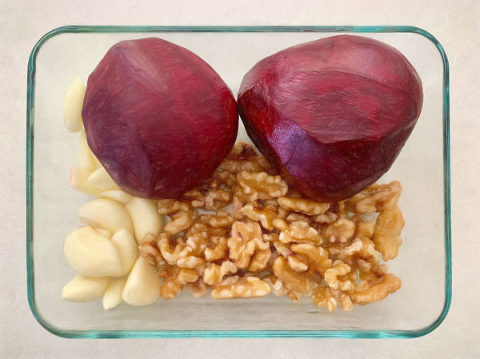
424,262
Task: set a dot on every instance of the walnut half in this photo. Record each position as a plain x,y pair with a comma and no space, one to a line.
246,287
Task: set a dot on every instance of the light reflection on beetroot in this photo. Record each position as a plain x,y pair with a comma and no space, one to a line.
332,114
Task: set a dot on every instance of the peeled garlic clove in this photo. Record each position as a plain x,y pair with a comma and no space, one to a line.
127,249
145,217
113,293
92,254
107,214
102,180
86,158
143,284
79,181
73,105
85,155
84,289
117,195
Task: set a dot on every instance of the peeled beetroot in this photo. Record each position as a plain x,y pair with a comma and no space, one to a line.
158,117
331,114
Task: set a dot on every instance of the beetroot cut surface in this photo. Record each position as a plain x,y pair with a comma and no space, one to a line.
158,117
331,114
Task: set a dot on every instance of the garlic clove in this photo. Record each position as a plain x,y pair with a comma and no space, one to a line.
92,254
145,217
143,284
113,293
102,180
127,249
116,195
85,155
73,105
84,289
79,181
107,214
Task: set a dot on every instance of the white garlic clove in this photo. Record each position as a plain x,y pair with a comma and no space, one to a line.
92,254
143,284
85,155
79,181
116,195
107,214
102,180
84,289
145,217
127,249
73,105
86,158
113,293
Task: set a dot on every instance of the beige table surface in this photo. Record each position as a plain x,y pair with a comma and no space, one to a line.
455,23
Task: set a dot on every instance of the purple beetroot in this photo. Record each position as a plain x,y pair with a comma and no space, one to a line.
331,114
158,117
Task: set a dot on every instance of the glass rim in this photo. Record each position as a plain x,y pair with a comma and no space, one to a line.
234,333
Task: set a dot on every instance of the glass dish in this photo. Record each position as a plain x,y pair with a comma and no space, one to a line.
424,262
